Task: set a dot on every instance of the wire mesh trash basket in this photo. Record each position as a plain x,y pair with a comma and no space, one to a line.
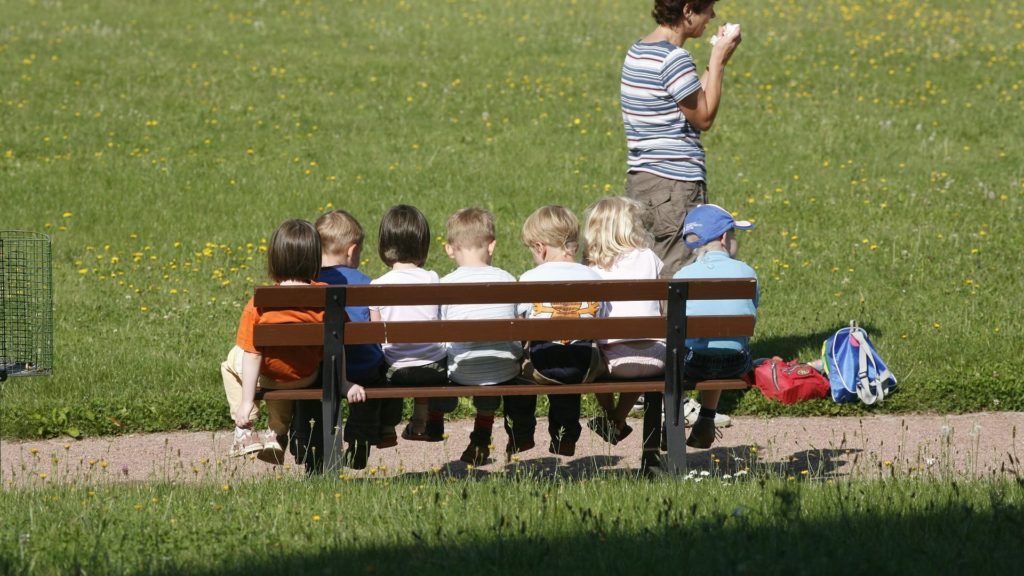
26,304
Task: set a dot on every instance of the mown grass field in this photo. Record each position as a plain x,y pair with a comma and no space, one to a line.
435,526
875,143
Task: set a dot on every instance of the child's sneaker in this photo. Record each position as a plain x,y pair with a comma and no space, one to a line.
608,429
562,448
691,409
476,454
433,432
513,448
703,433
272,451
245,442
650,464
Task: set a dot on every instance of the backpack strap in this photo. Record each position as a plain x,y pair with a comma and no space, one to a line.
864,385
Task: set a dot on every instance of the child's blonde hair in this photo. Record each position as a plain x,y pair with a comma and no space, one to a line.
470,228
552,225
614,225
338,230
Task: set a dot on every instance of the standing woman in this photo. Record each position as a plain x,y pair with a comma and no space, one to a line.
666,105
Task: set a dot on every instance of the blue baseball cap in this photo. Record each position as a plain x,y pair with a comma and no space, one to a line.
709,222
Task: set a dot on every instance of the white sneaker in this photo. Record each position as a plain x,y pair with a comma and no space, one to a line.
245,442
271,452
691,410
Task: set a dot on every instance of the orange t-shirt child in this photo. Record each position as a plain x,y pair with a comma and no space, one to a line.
284,367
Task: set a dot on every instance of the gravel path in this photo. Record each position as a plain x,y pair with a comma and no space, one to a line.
965,445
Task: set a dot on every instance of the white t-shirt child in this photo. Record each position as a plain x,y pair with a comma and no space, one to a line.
481,363
413,354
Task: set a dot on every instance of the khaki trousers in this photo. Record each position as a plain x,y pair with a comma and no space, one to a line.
279,412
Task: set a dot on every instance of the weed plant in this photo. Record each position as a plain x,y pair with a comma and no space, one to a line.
876,144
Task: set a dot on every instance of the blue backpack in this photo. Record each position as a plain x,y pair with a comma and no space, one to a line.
855,370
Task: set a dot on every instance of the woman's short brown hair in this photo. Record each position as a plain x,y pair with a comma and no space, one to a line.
670,12
294,252
404,236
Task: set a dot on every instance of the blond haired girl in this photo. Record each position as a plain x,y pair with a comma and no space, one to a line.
618,248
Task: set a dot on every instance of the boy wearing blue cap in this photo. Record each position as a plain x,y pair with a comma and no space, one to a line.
710,231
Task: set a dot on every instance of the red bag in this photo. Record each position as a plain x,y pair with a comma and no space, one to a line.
789,382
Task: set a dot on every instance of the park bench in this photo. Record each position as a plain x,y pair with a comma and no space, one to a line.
674,326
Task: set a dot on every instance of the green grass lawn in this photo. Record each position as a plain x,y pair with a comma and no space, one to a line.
430,525
876,144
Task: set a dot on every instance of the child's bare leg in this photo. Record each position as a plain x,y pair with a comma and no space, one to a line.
622,408
606,401
420,410
709,399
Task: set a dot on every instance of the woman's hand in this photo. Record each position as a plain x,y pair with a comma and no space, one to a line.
729,37
356,394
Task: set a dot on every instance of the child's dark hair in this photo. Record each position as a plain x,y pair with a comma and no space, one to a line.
294,252
404,236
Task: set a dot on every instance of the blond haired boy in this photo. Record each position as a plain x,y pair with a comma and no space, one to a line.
341,246
470,242
552,235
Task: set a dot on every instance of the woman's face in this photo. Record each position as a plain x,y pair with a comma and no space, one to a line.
699,20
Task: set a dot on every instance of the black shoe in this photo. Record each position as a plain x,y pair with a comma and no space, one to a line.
516,447
562,448
608,430
476,454
650,464
703,433
433,432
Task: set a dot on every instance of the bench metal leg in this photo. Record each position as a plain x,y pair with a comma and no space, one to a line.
333,425
675,428
652,431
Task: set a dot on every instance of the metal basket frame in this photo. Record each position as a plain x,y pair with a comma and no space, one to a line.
26,304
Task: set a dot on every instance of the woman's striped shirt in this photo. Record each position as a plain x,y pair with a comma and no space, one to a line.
655,78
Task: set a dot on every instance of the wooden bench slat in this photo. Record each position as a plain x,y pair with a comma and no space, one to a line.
489,330
507,390
415,294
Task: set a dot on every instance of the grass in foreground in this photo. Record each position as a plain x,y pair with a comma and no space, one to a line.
429,525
